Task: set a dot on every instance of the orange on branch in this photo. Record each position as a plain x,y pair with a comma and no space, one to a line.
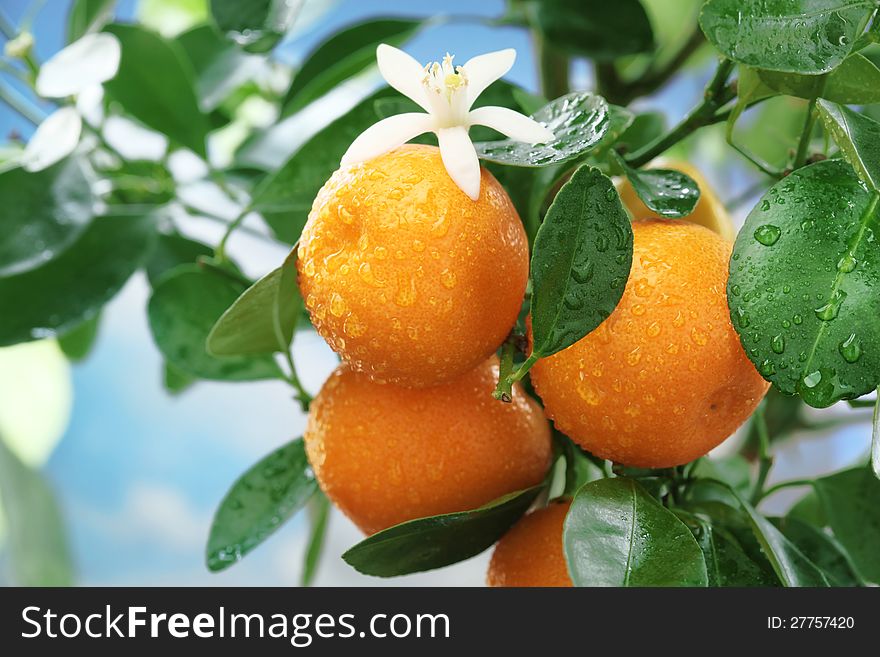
664,379
407,278
385,454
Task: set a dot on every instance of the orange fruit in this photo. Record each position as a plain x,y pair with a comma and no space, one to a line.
664,379
531,553
385,454
709,211
407,278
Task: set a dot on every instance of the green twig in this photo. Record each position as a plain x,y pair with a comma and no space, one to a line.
804,144
220,251
319,513
253,232
794,483
504,389
765,458
302,396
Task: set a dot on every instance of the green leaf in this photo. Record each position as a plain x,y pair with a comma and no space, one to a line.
875,441
37,539
790,564
796,36
78,342
248,326
580,262
262,499
620,119
616,534
803,277
727,564
851,502
171,250
319,514
579,468
856,80
85,16
165,102
343,55
44,212
858,137
255,25
578,121
74,286
285,198
820,548
176,380
437,541
594,28
644,129
733,470
184,306
809,510
667,192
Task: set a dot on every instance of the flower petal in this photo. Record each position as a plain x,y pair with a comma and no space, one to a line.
512,124
483,70
460,159
387,135
87,61
403,73
54,139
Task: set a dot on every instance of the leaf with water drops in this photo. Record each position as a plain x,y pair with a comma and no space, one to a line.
617,534
667,192
797,36
858,137
856,81
437,541
262,500
578,121
804,275
619,121
580,262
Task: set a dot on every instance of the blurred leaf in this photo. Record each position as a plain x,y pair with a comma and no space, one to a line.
140,182
285,198
772,127
809,510
171,17
44,212
644,129
528,189
856,80
37,539
851,503
75,285
616,534
580,263
176,380
262,500
858,137
821,549
798,287
85,16
255,25
875,441
734,470
594,28
165,102
248,326
185,304
437,541
667,192
343,55
578,122
796,36
171,250
78,342
319,513
727,564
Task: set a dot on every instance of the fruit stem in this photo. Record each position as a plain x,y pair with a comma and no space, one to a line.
504,389
803,145
220,251
785,484
302,396
764,456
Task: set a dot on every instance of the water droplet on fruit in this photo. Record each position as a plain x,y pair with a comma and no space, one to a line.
448,279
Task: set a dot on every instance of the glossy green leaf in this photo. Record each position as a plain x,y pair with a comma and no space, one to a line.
595,28
578,121
644,129
851,502
285,198
85,16
78,342
790,564
37,540
319,516
43,213
875,440
797,36
171,250
165,102
820,548
262,499
619,120
858,137
176,380
803,277
856,80
616,534
727,564
185,305
249,325
580,262
437,541
342,56
74,286
255,25
667,192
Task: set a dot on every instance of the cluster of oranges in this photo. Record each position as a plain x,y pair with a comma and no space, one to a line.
416,286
